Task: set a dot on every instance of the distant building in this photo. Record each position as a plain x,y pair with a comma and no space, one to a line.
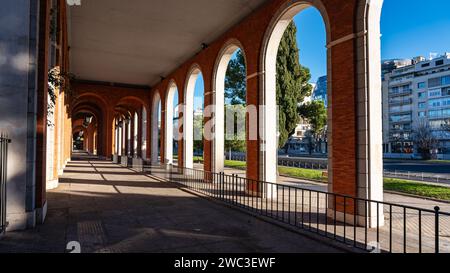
415,93
387,66
300,142
320,90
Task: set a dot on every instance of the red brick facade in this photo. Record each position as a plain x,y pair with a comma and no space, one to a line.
107,103
250,33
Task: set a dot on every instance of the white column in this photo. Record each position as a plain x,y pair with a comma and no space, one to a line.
144,134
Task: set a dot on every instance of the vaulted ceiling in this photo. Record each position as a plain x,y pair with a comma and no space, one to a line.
137,41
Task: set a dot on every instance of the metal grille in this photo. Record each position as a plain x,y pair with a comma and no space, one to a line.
391,227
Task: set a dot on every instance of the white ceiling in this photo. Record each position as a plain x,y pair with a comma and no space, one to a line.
137,41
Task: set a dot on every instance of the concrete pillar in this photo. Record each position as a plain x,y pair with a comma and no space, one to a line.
18,106
131,136
168,125
154,134
144,133
369,113
139,135
188,118
42,94
120,138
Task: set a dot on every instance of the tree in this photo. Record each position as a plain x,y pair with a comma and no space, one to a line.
315,113
235,92
198,132
424,139
292,84
235,136
235,80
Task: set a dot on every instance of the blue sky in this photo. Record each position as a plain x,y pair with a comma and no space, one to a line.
311,41
415,27
409,28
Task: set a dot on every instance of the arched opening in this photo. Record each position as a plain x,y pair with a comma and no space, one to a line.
229,129
156,129
135,135
89,112
78,141
292,129
171,135
193,118
144,127
133,110
95,142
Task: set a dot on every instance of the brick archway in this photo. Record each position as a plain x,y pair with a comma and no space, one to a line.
355,158
156,114
188,115
110,100
169,134
218,80
268,58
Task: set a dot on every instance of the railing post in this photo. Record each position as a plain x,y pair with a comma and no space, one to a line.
221,184
436,226
3,177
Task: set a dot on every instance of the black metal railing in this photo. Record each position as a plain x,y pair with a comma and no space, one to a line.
365,224
4,142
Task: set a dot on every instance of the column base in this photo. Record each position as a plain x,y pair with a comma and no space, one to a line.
138,164
361,220
20,221
41,213
116,159
52,184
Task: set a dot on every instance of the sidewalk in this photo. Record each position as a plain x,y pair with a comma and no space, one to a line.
108,208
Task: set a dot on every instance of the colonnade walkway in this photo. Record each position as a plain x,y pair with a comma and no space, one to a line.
108,208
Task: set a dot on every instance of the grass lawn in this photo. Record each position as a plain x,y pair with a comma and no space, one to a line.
417,188
302,173
235,164
391,184
438,161
198,159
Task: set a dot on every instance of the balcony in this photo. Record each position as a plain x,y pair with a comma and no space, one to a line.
401,93
393,102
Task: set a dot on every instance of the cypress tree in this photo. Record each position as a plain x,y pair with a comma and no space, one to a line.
292,84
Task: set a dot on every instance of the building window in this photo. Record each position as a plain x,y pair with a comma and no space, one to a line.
426,65
434,82
446,91
440,62
401,108
439,124
422,114
422,95
439,113
422,105
445,80
402,147
421,85
439,102
400,118
434,93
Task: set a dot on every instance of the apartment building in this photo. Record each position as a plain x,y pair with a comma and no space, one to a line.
416,93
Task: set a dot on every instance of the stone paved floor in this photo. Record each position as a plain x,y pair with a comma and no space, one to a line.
112,209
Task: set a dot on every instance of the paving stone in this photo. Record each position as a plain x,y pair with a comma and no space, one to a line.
110,209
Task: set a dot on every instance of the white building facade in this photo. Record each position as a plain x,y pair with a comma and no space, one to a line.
412,95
